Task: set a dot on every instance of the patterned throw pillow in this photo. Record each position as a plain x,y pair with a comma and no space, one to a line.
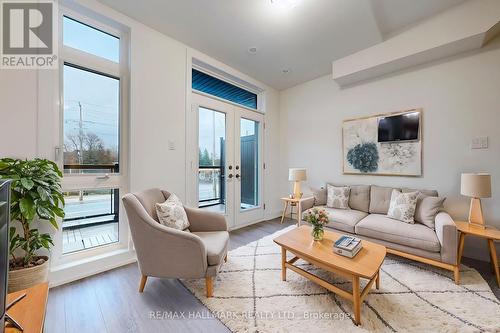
337,197
402,206
171,213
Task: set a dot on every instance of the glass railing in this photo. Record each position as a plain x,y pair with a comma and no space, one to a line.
211,189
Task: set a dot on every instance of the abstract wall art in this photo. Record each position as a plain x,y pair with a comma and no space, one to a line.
363,154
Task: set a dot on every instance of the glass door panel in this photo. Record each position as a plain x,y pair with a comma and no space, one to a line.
249,176
249,167
211,160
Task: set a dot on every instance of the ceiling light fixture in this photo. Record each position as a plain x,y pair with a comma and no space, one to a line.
252,50
285,3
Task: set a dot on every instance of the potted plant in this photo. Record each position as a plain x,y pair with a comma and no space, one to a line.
318,218
35,195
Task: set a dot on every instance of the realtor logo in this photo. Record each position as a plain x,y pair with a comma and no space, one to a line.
28,34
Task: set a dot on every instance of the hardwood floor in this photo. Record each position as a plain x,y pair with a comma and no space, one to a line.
110,302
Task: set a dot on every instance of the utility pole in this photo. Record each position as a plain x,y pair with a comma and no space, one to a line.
80,137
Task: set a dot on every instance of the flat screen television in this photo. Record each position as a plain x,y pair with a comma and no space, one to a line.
4,245
399,127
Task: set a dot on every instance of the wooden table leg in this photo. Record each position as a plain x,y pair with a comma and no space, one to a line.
284,212
460,247
299,214
283,261
494,258
377,281
356,298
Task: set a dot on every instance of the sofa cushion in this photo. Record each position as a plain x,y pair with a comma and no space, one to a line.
380,198
337,196
427,209
384,228
216,243
342,219
429,193
359,198
319,196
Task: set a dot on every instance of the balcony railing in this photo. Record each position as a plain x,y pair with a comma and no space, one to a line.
211,189
91,168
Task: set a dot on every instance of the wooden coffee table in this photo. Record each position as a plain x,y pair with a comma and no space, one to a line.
366,264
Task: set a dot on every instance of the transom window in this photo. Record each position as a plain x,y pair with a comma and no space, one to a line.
216,87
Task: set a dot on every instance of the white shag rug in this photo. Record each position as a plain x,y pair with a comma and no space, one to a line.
249,296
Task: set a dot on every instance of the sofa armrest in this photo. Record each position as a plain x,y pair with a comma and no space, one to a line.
306,204
447,235
201,220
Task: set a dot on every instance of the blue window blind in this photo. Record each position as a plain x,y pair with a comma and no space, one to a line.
216,87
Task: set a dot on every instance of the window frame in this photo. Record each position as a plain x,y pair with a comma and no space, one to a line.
119,180
101,66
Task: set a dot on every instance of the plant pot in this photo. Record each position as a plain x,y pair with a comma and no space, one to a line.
28,277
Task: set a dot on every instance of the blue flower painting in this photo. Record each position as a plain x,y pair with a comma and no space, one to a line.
364,157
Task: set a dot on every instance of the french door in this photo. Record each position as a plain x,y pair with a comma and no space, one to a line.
228,169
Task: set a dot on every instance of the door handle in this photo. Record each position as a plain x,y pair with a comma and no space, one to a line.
106,176
237,176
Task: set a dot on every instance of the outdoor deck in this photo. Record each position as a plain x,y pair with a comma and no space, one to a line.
88,237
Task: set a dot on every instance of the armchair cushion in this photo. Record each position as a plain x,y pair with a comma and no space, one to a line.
171,213
216,243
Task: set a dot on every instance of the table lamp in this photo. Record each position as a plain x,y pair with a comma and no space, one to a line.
297,175
476,186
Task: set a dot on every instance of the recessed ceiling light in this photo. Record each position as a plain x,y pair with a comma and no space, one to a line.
286,71
252,50
285,3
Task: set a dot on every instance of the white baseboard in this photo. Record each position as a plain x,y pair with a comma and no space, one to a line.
67,273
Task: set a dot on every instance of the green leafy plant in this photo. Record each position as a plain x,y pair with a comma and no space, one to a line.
35,194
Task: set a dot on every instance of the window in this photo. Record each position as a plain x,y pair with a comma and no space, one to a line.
94,76
91,40
249,159
91,121
213,86
211,150
91,219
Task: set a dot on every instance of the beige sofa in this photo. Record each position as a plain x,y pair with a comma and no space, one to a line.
367,220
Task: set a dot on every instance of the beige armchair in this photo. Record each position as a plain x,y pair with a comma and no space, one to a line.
169,253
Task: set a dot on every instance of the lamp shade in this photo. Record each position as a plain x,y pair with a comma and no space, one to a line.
297,174
476,185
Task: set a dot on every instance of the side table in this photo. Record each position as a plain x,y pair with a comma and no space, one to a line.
491,235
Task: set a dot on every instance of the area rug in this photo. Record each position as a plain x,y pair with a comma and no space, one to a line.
249,296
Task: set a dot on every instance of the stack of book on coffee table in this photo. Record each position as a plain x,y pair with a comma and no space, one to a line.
347,246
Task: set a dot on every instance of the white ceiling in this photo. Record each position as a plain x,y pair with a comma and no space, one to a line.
305,39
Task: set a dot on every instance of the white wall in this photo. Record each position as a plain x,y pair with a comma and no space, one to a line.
460,100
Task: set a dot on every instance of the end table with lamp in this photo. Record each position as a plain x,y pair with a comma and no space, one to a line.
476,186
295,175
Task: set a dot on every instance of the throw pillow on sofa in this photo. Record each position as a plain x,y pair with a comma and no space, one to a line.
171,213
338,197
427,208
319,196
402,206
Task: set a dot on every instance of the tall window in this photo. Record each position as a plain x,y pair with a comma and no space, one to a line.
92,112
91,103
